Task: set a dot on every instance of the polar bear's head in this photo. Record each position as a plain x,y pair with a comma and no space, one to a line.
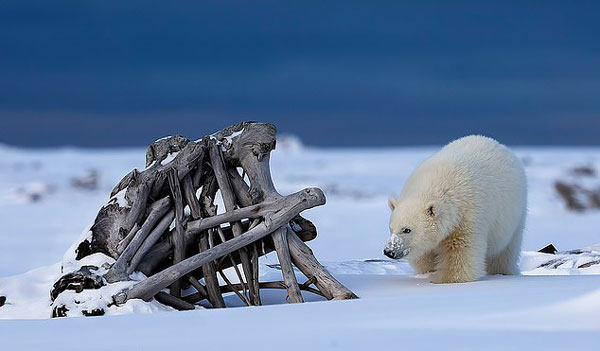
417,226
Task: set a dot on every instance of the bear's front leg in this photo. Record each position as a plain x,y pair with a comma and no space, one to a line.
424,264
461,258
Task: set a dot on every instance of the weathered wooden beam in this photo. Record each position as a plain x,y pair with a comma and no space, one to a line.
163,249
285,261
157,210
147,288
241,296
302,227
126,240
189,193
236,215
306,262
178,237
201,289
173,301
152,238
211,211
229,200
195,297
209,269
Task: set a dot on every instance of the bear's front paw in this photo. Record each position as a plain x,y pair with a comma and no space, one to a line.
441,277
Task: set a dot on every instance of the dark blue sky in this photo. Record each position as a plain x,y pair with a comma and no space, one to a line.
336,73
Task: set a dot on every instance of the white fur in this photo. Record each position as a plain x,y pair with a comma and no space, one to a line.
465,207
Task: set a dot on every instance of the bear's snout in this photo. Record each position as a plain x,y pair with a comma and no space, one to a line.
389,253
395,247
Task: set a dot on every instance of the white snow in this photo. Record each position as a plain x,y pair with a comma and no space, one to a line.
233,135
227,140
554,305
119,198
170,157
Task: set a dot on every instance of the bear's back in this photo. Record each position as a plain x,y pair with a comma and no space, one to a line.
476,147
470,164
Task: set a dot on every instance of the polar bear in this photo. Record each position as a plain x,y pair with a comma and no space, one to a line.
461,212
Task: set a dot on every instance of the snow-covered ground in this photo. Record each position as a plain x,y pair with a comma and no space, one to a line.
47,197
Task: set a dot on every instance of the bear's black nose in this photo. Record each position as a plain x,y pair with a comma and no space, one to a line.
389,253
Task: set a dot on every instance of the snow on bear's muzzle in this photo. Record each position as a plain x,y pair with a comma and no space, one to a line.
396,247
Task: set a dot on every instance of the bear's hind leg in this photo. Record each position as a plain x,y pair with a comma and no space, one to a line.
461,258
424,264
507,261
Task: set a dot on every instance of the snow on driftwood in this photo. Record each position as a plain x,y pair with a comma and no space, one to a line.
84,291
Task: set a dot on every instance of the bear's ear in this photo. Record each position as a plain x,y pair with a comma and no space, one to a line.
432,209
392,203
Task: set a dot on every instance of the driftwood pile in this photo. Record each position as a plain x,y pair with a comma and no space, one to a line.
164,223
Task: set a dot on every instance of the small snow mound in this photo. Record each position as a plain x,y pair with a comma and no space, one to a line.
289,143
583,261
30,192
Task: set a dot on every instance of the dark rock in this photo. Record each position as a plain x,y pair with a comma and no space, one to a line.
587,171
578,197
549,249
568,192
594,198
2,300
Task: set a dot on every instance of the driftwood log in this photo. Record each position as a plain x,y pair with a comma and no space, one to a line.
164,222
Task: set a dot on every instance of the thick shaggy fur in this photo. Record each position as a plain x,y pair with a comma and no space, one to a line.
462,212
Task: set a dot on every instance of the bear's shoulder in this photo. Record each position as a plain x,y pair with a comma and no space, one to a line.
471,143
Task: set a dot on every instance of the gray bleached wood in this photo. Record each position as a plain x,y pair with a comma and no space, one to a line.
178,235
209,269
304,259
283,254
147,288
223,180
118,270
133,228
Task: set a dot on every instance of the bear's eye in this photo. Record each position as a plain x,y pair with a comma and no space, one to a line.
405,230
